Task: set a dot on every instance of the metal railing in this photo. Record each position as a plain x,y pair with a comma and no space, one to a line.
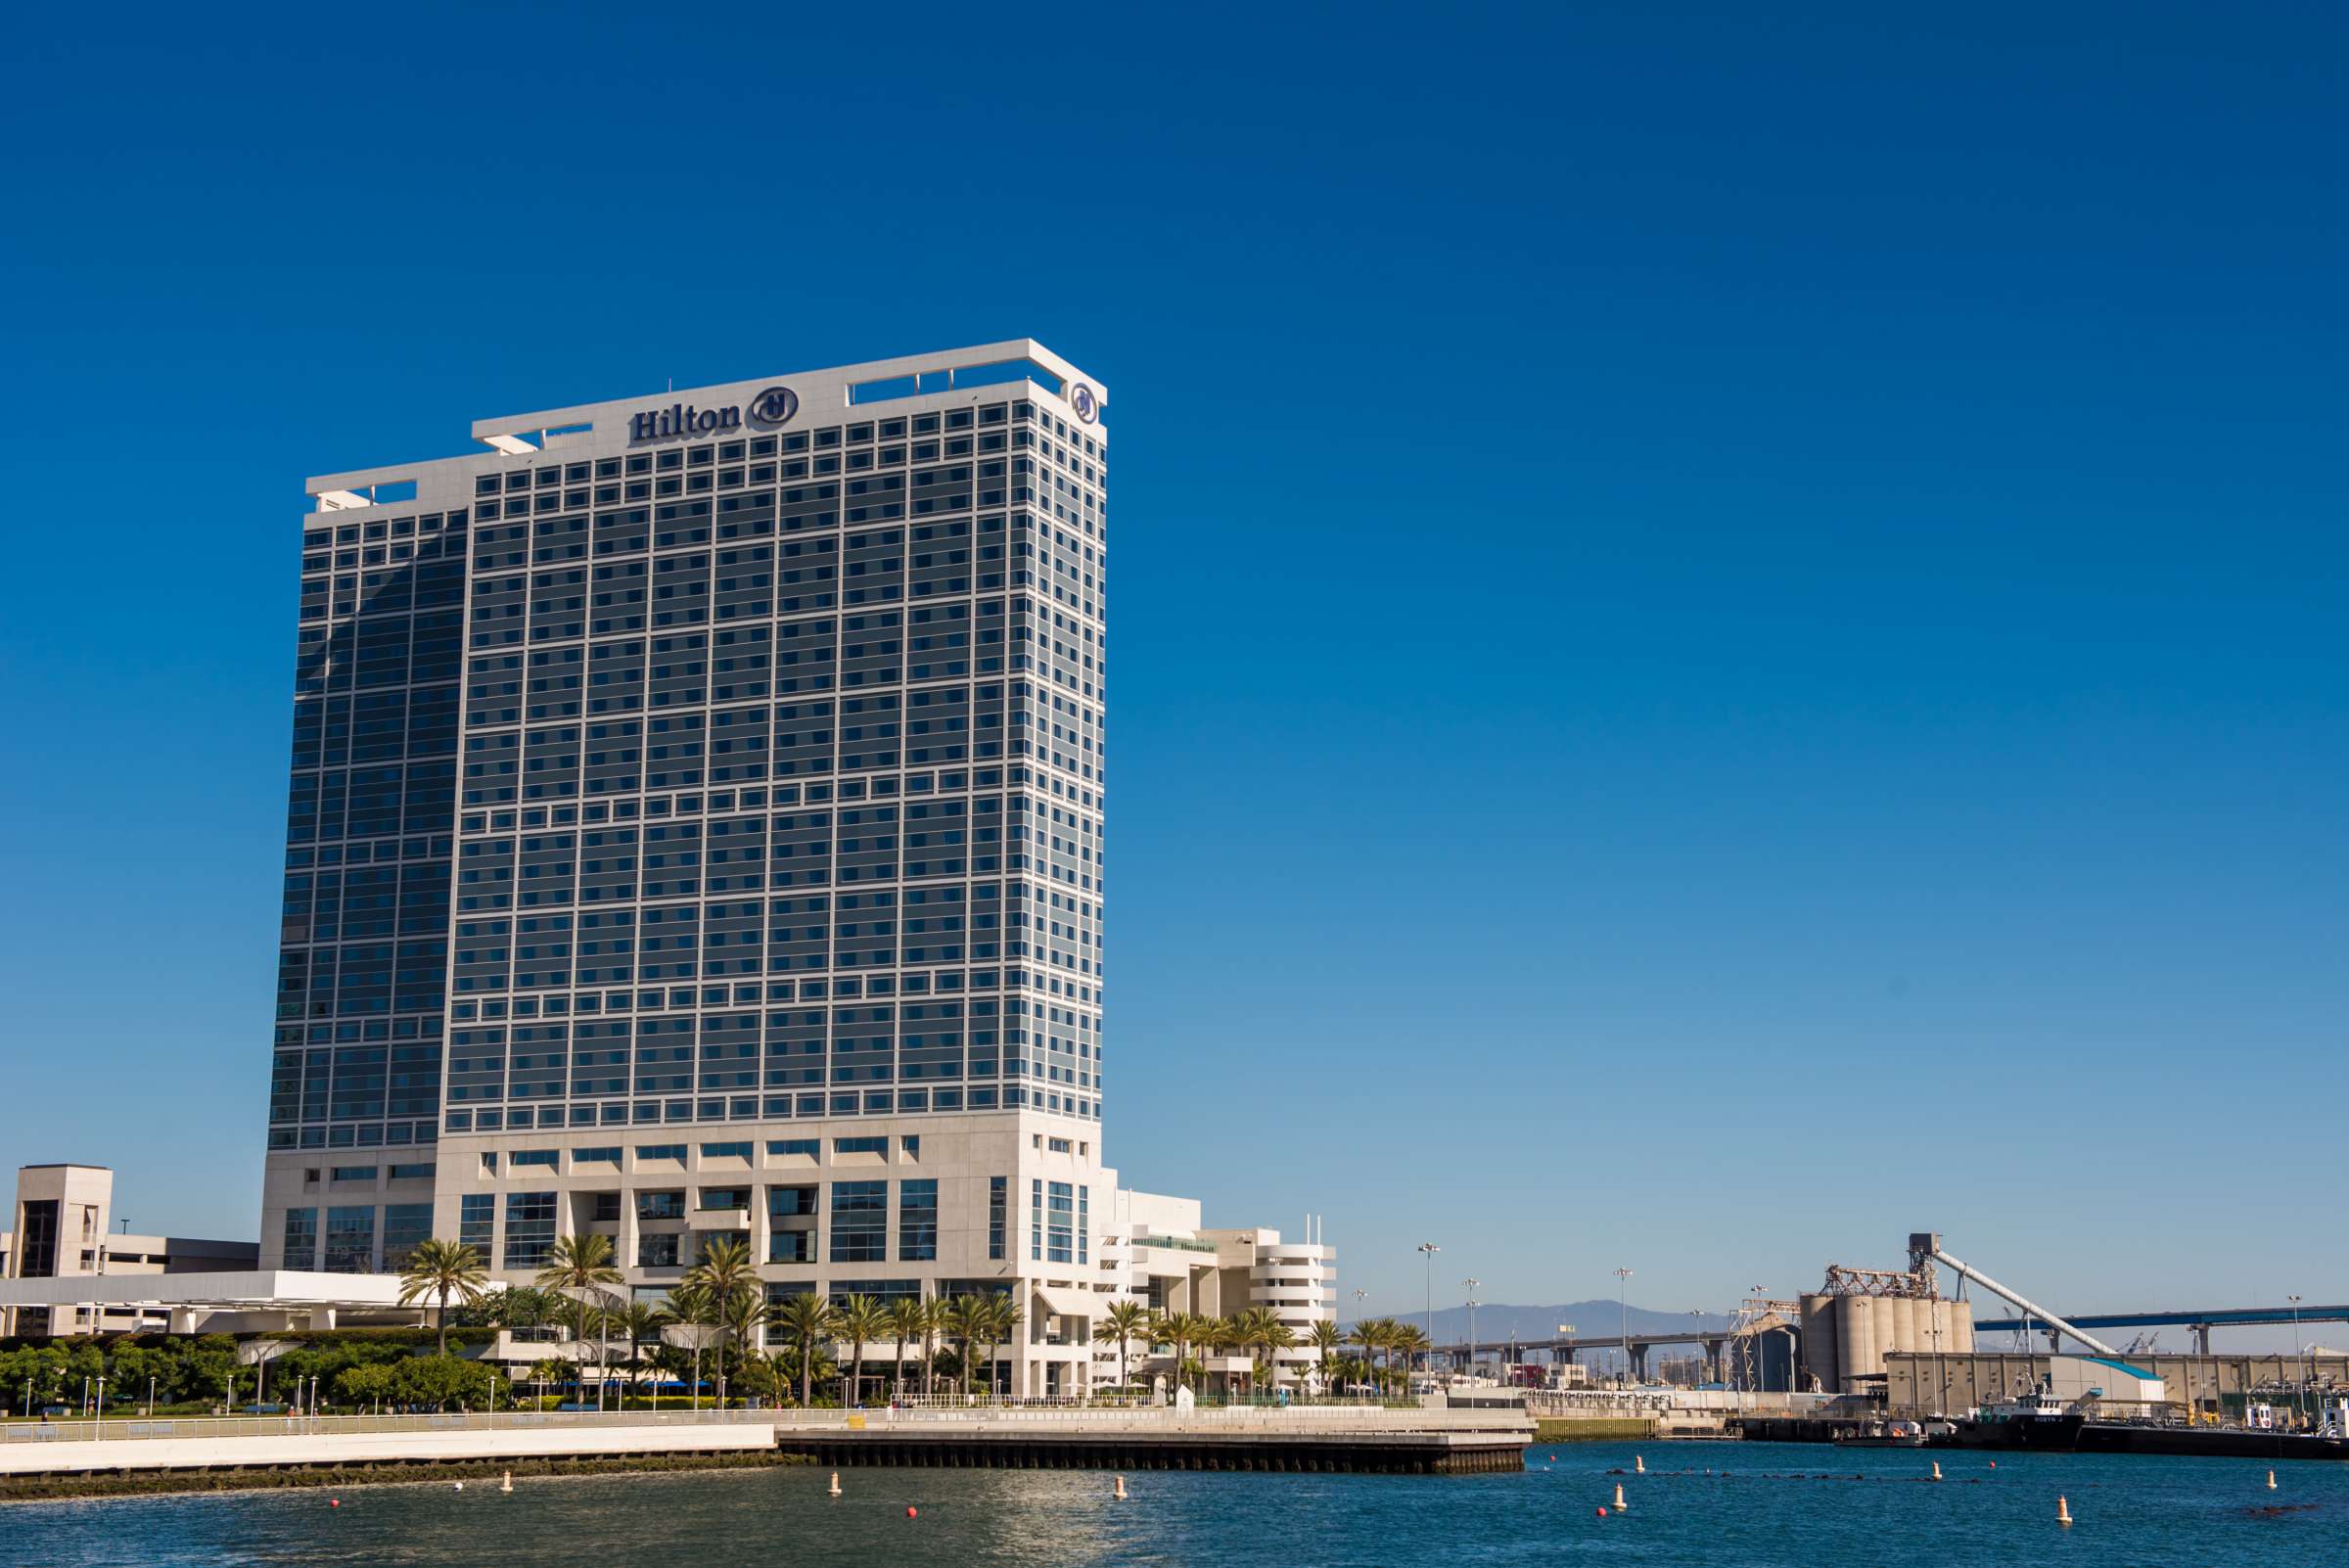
136,1429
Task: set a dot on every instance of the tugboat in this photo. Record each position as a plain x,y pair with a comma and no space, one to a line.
2034,1419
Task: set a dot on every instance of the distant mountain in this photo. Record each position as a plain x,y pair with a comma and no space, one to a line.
1498,1322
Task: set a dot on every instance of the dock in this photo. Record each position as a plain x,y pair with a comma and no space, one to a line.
1311,1439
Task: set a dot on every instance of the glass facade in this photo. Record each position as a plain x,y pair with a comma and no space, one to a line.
706,781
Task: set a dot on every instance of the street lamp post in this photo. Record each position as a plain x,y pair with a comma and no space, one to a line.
101,1407
1362,1382
1623,1278
1428,1250
2299,1394
1472,1284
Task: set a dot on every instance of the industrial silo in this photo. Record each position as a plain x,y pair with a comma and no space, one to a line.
1888,1327
1818,1341
1962,1323
1856,1340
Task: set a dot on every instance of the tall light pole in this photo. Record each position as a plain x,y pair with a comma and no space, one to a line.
2299,1394
1471,1284
1428,1250
1623,1278
1361,1384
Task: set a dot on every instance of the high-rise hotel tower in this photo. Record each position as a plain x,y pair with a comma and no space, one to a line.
696,830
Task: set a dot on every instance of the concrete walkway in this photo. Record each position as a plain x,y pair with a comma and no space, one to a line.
362,1447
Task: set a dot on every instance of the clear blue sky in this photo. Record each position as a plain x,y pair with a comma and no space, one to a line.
1727,628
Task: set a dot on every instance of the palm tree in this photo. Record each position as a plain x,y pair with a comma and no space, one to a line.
581,1265
927,1327
1411,1340
859,1319
961,1320
725,1270
1126,1321
905,1315
1183,1329
691,1307
1325,1339
1000,1317
740,1317
1260,1328
1372,1335
805,1320
639,1324
548,1370
441,1270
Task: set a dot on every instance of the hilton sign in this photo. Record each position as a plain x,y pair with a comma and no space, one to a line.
774,407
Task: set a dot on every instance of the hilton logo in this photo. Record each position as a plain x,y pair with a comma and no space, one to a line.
1080,398
774,407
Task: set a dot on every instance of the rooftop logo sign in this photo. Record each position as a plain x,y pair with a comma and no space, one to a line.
1082,400
774,407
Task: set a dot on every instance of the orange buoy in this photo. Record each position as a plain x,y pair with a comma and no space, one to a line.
2063,1511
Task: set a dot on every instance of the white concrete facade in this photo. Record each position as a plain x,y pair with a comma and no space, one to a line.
60,1233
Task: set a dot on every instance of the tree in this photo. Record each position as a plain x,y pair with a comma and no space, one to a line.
640,1323
906,1316
550,1369
805,1320
740,1317
1325,1338
725,1270
580,1266
933,1322
1373,1334
999,1317
691,1307
1125,1320
961,1320
1260,1328
441,1270
858,1319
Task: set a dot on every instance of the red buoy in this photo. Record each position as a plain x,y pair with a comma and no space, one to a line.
1602,1513
909,1514
334,1502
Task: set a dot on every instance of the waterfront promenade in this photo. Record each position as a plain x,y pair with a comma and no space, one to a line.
1302,1438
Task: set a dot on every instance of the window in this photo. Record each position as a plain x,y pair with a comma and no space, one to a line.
607,1208
660,1151
477,1216
660,1205
1054,1238
725,1198
726,1151
1062,1146
883,1291
350,1240
791,1246
302,1238
787,1203
414,1172
917,1222
909,1148
530,1230
601,1156
354,1172
860,1221
860,1146
548,1158
405,1226
998,1214
657,1252
781,1147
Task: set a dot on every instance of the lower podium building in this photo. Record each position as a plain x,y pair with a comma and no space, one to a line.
697,829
